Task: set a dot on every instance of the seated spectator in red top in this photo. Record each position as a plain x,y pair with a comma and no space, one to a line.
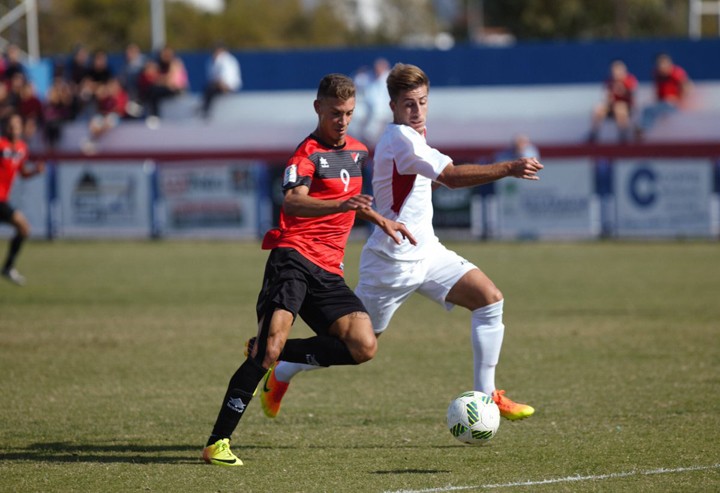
619,98
672,85
30,108
111,100
167,78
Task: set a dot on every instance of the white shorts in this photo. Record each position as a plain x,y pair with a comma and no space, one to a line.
385,283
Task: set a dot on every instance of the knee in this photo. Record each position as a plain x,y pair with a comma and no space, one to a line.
363,350
495,296
273,349
23,231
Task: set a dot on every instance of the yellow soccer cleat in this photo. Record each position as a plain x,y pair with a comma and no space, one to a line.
509,409
219,454
272,393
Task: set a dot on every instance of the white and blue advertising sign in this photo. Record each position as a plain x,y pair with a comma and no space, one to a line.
208,200
562,204
664,197
29,196
104,200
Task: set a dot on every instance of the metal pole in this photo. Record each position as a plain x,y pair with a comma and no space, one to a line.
157,21
694,17
475,20
31,18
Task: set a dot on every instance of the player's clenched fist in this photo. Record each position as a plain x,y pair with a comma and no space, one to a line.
526,168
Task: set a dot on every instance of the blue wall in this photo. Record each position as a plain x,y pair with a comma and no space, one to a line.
466,65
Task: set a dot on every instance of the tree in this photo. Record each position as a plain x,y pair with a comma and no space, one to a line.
588,19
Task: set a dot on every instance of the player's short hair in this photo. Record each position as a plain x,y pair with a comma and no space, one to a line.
336,86
405,77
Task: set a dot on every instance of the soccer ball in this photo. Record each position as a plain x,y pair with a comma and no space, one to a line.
473,417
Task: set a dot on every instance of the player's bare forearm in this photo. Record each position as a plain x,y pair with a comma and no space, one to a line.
298,203
390,227
471,175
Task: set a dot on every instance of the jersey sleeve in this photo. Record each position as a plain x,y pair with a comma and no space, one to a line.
299,171
681,75
413,156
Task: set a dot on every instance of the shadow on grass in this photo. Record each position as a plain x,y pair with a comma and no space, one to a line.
413,471
64,452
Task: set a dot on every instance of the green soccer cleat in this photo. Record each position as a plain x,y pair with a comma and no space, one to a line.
509,409
219,454
272,393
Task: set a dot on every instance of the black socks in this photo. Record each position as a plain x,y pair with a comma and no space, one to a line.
317,351
240,391
13,250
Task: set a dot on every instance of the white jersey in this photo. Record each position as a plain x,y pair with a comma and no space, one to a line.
404,169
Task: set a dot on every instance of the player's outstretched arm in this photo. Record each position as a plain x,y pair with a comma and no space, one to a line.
390,227
297,202
471,175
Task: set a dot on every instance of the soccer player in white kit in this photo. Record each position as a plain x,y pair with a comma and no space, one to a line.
405,171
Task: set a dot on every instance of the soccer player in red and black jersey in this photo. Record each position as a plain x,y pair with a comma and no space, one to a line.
619,98
304,271
13,157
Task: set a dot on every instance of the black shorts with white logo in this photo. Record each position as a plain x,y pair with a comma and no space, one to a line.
297,285
6,212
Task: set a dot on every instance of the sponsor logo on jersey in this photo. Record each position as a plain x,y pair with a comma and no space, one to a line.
355,156
290,174
324,163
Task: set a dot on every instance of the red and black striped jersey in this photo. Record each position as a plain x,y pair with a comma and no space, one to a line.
12,158
331,173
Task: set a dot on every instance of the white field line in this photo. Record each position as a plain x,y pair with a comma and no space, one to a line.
568,479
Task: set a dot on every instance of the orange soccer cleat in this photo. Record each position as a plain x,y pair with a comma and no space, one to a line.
272,393
509,409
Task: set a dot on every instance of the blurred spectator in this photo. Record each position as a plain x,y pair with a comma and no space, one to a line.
57,110
375,100
520,146
110,100
99,71
361,78
78,65
166,79
223,76
12,63
7,106
78,76
30,109
619,98
129,77
672,85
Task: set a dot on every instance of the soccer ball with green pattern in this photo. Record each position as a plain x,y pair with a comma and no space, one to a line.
473,417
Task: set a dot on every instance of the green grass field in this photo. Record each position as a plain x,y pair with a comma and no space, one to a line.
116,355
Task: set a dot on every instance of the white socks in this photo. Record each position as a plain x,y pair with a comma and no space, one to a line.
486,334
284,371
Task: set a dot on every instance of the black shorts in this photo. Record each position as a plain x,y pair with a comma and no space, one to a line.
297,285
6,212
